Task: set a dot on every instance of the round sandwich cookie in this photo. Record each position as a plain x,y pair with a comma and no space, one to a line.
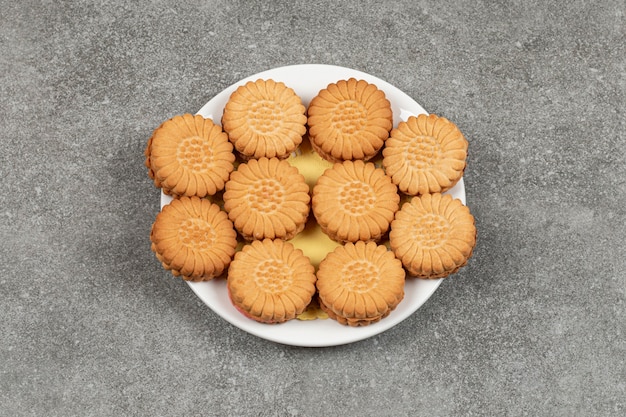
189,155
433,235
271,281
264,118
360,283
267,198
354,201
425,154
350,119
193,238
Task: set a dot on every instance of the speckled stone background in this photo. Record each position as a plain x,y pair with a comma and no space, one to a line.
91,325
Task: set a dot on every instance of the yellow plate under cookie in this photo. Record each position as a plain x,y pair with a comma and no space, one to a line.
307,81
312,241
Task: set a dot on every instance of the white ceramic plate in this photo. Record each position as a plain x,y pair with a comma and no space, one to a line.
307,81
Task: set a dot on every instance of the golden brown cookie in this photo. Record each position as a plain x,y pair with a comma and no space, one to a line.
193,238
267,198
353,201
425,154
359,284
433,235
271,281
264,118
189,155
348,120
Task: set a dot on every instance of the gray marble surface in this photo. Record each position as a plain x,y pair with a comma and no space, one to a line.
91,325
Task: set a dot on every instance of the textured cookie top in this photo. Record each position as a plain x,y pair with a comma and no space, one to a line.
271,281
425,154
264,118
354,200
189,155
192,237
349,119
433,235
267,198
360,281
